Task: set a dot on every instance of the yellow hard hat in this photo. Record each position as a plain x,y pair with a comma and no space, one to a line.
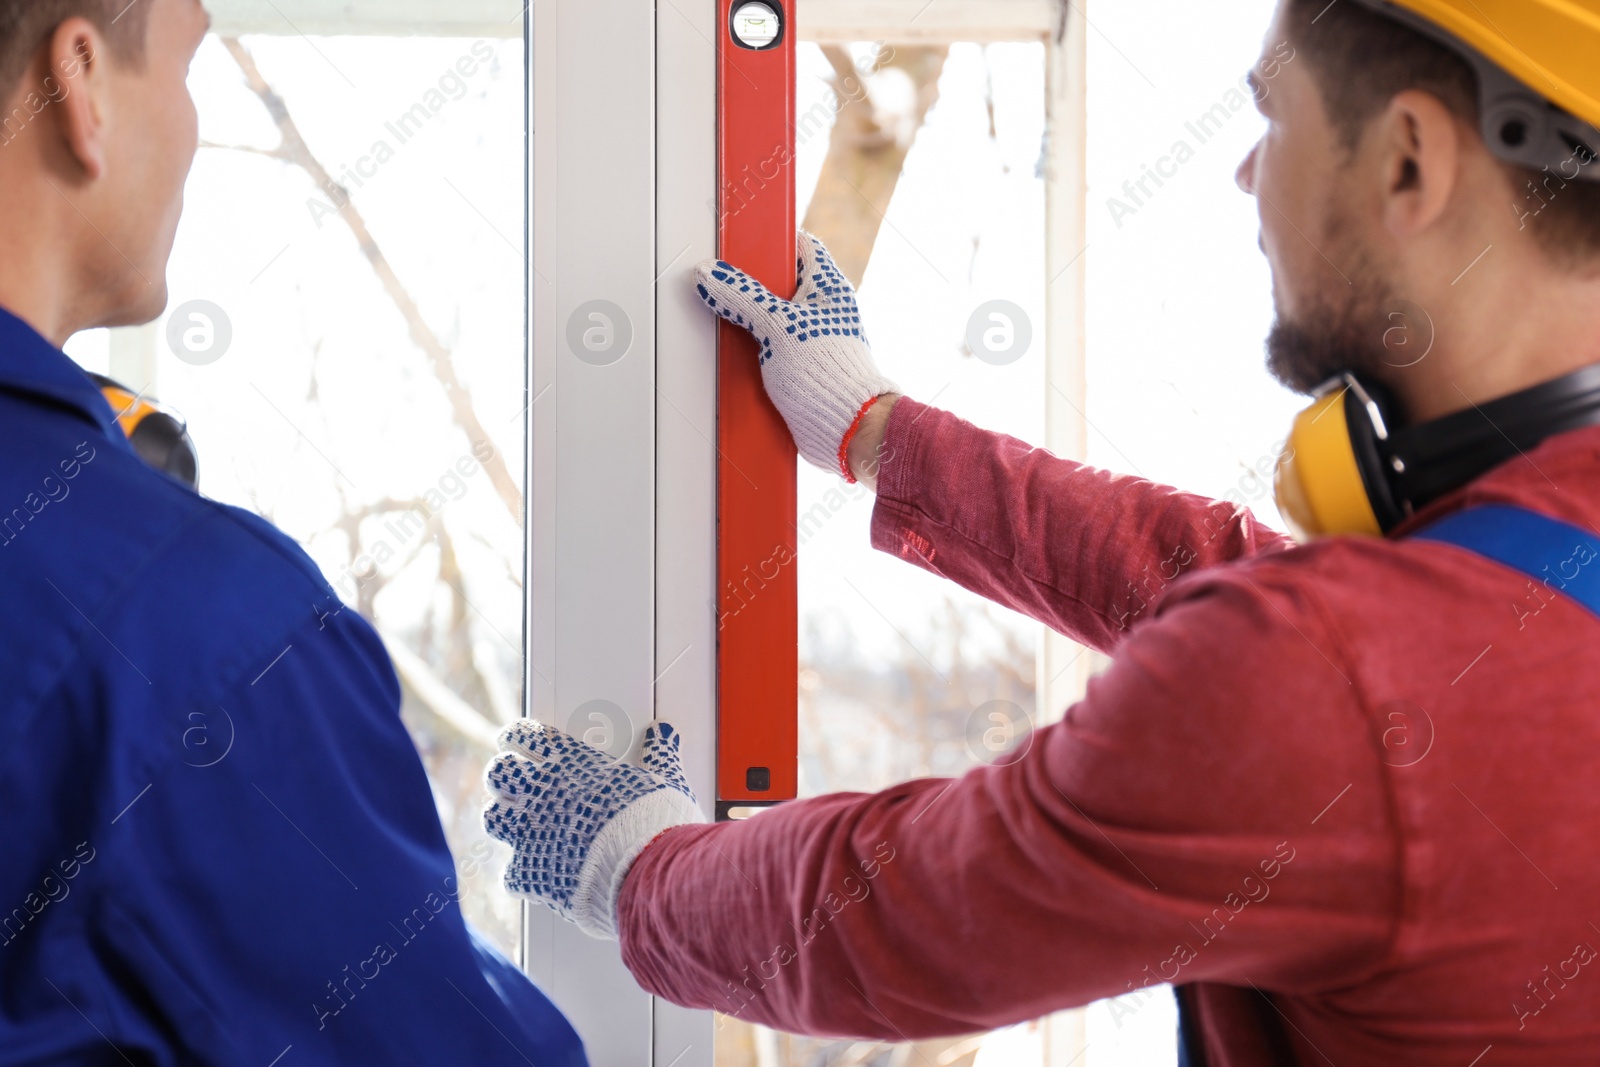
1538,65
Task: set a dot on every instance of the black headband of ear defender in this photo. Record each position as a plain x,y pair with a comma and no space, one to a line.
1404,468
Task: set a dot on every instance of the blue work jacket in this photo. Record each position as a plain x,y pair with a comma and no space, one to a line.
217,843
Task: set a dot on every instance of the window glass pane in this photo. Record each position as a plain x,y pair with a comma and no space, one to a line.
1179,293
903,674
345,338
896,662
1179,300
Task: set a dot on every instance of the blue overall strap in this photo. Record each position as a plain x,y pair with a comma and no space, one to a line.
1554,553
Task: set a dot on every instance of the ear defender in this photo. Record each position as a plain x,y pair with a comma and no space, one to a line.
1333,476
1351,468
159,437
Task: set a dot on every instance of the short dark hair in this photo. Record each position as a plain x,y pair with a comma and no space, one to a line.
1362,59
25,25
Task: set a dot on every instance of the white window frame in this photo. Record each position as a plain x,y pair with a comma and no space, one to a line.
622,465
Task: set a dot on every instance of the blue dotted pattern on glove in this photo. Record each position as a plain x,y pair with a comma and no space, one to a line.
555,793
824,304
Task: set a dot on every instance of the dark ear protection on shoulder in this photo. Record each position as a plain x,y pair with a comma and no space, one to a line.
1349,468
159,436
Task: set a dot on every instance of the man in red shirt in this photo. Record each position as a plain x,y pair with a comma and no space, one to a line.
1340,792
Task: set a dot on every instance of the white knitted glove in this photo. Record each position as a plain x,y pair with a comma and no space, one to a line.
815,360
578,818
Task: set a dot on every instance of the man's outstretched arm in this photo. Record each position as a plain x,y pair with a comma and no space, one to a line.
1081,550
1168,830
1085,551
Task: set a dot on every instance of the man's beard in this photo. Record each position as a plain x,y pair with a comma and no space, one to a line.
1365,329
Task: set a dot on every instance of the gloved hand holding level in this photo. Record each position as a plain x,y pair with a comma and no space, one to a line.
578,818
815,360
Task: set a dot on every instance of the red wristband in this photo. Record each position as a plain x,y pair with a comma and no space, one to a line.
849,435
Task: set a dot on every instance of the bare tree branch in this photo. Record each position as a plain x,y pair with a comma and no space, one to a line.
867,150
433,694
270,153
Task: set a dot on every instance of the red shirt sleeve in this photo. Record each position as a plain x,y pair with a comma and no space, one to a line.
1084,551
1213,811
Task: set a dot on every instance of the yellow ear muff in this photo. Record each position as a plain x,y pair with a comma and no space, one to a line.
158,437
130,409
1319,486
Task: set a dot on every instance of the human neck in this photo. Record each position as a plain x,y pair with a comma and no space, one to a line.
39,300
49,246
1513,330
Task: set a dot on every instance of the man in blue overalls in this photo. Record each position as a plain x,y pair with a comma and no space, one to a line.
293,901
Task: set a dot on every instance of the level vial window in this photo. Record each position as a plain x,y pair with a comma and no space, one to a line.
757,24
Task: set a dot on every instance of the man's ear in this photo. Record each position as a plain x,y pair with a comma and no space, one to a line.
76,62
1419,144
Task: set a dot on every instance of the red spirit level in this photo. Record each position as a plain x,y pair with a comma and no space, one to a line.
757,603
